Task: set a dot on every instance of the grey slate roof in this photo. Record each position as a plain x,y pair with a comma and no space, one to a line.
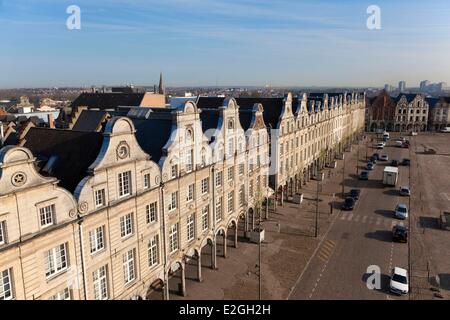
90,120
71,153
272,108
107,100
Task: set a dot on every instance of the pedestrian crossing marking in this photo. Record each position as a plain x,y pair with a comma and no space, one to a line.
373,220
326,251
344,216
350,217
357,218
378,221
364,219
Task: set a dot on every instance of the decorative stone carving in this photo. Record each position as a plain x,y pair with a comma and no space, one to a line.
83,207
123,150
19,179
72,213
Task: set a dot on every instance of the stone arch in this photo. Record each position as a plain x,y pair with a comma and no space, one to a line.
155,290
373,127
176,277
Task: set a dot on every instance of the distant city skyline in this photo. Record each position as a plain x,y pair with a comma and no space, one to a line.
226,43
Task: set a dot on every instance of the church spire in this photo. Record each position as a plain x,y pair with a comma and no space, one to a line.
161,88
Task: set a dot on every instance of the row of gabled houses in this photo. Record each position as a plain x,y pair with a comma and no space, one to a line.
407,113
121,202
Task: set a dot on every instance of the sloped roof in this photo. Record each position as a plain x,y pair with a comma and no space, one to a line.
67,153
107,100
245,118
90,120
209,119
272,108
152,135
210,102
432,101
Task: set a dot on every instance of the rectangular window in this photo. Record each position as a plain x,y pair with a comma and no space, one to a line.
205,187
146,180
251,189
100,280
230,173
100,198
124,183
219,177
241,169
55,260
46,214
174,171
173,238
6,286
151,211
190,193
190,227
219,209
241,196
190,161
62,295
2,232
153,251
231,201
205,218
173,201
97,239
126,225
231,146
129,269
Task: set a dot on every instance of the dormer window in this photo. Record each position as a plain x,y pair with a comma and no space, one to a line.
47,215
230,124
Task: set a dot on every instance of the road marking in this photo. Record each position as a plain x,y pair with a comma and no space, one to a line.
378,221
344,216
370,220
393,223
350,217
364,219
357,219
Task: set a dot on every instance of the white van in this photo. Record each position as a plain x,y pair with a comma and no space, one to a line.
446,130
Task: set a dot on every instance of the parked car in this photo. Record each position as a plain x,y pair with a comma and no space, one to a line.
402,139
384,158
445,130
376,156
370,166
405,192
413,133
354,193
401,211
405,144
406,162
364,175
380,145
399,281
348,204
373,159
394,163
400,233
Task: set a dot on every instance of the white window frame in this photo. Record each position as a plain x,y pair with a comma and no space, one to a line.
190,227
97,239
205,186
190,193
126,225
100,283
230,201
47,215
129,266
56,260
147,180
173,201
6,285
219,178
3,238
241,169
219,209
173,238
124,183
153,251
151,212
205,218
190,161
174,171
100,197
230,173
65,294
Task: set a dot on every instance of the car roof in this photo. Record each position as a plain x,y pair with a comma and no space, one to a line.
400,271
355,190
404,187
399,226
401,205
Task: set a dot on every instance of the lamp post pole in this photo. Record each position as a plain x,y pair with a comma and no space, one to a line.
317,210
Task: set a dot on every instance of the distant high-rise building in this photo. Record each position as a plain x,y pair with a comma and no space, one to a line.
442,86
424,84
402,86
387,87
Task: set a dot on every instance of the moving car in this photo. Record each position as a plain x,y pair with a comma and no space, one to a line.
394,163
405,144
384,158
401,211
399,143
370,166
399,281
400,233
405,192
406,162
376,156
354,193
413,133
373,159
380,145
364,175
348,204
446,130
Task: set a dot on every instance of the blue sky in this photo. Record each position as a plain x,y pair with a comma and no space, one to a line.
229,42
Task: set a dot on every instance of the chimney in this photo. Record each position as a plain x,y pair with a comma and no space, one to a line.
51,121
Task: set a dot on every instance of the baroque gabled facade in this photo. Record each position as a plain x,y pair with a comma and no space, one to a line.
124,212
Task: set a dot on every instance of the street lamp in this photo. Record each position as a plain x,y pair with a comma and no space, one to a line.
317,210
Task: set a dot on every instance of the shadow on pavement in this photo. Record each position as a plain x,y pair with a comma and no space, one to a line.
429,223
441,281
391,192
384,282
381,235
385,213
